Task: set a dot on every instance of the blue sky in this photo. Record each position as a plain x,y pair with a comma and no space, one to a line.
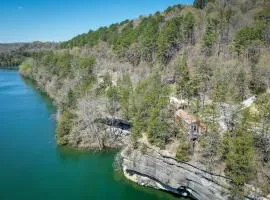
58,20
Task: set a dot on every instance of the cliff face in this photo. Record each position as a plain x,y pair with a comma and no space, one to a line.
150,167
153,169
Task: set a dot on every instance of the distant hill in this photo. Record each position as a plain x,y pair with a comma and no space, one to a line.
13,54
9,47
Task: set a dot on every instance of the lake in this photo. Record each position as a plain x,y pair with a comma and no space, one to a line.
33,167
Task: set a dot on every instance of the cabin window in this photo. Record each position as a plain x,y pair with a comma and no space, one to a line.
193,127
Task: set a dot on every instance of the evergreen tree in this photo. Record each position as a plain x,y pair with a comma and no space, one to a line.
239,155
64,127
169,38
210,35
263,105
241,88
188,27
187,86
149,112
125,92
149,30
184,76
200,3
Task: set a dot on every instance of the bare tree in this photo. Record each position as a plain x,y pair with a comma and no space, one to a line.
89,110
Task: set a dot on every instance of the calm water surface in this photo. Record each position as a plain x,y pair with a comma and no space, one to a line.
32,167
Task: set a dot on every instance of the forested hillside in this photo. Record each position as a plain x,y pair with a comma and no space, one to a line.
13,54
210,56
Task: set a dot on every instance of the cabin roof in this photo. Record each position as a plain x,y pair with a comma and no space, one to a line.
186,116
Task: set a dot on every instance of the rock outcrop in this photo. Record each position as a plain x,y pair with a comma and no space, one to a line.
150,168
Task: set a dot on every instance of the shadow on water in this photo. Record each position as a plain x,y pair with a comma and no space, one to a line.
119,177
69,153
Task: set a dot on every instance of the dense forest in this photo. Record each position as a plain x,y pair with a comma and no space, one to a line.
213,56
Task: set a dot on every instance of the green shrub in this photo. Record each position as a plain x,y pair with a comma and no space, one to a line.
64,127
169,36
26,67
126,38
210,35
148,108
182,153
246,37
239,158
143,148
149,30
200,3
87,63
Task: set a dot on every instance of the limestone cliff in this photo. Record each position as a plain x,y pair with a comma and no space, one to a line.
154,169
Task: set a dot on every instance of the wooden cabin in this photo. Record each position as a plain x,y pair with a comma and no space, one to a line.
194,127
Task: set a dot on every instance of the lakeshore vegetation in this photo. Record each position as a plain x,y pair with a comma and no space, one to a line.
213,55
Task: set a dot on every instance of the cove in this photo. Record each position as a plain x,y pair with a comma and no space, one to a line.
33,167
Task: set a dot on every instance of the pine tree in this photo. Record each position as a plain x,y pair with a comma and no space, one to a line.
169,38
184,77
200,3
187,86
125,92
188,27
239,155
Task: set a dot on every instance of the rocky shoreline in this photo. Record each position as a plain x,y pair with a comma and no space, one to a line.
153,169
150,168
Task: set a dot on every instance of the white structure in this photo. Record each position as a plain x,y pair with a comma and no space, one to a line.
248,102
178,103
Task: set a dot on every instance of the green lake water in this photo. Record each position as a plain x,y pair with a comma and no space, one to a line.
33,167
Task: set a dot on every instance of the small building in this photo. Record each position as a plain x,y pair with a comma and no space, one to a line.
177,103
194,127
